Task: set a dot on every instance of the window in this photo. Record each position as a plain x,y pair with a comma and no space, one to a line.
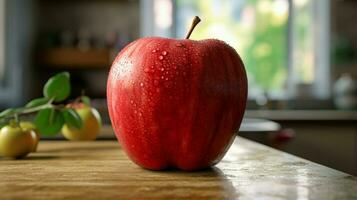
283,43
256,29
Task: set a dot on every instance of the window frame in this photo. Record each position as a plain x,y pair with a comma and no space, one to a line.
320,89
16,52
2,40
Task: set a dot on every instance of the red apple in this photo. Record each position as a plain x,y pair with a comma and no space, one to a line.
176,103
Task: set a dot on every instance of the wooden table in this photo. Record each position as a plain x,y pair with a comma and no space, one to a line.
101,170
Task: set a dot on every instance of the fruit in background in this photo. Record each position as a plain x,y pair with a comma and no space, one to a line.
28,126
91,124
51,115
15,142
176,103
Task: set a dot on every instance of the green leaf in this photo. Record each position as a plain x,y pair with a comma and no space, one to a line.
8,111
37,102
3,123
58,87
72,118
49,121
85,100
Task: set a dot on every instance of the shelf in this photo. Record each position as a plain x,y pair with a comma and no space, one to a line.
74,58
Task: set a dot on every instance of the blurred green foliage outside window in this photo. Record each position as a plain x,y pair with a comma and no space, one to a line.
258,30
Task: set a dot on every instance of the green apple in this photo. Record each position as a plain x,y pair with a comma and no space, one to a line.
28,126
91,124
15,142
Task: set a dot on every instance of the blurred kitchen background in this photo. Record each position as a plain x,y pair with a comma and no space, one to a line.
300,56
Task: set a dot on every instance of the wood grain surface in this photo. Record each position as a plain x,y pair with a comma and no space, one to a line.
101,170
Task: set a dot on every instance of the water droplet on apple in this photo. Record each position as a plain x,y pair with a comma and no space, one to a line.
164,53
153,51
161,57
141,84
140,114
179,45
131,101
167,79
162,77
162,69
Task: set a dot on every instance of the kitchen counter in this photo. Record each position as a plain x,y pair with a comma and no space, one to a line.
303,115
101,170
328,137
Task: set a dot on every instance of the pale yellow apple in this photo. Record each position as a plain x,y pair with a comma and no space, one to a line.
91,125
15,142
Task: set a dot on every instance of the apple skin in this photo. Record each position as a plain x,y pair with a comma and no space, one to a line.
28,126
176,103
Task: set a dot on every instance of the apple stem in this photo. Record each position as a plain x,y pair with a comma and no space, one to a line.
195,21
16,117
